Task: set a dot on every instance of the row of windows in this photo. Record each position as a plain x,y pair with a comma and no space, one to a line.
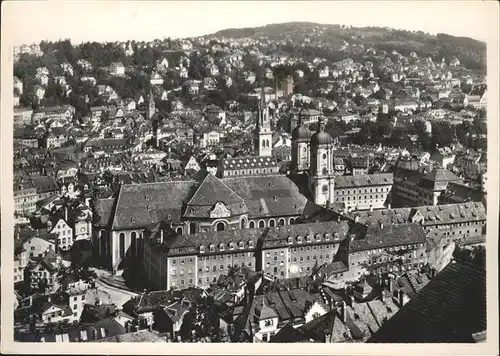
366,190
227,256
181,261
251,171
308,258
181,271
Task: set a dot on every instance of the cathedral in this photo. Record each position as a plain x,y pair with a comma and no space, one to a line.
312,155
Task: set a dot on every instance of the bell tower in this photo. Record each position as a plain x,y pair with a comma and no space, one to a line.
263,136
321,172
301,150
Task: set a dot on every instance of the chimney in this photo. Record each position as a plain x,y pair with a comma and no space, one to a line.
401,298
350,301
66,213
381,224
371,208
49,298
389,206
343,312
356,219
161,236
382,297
338,218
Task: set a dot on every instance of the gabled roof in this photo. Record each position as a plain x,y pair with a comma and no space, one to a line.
450,308
209,192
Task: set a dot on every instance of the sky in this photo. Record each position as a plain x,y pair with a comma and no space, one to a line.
101,21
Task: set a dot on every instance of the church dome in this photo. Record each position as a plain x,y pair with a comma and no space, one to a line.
301,134
321,138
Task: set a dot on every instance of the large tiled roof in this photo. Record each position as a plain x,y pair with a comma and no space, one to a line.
363,180
450,308
267,196
273,235
143,205
438,179
44,184
209,192
248,163
456,192
372,237
289,305
432,214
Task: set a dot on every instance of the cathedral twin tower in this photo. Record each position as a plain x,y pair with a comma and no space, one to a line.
312,154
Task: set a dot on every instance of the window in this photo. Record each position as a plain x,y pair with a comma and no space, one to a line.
174,272
252,224
220,226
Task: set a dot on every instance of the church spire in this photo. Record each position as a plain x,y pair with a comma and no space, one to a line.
263,134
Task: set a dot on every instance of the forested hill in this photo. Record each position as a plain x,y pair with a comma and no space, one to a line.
471,52
271,30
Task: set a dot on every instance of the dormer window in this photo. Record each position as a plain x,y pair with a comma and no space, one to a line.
221,247
290,240
309,238
231,245
202,249
318,237
335,236
241,244
212,248
250,244
299,239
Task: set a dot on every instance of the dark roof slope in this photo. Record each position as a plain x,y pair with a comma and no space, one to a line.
266,196
450,308
370,237
288,334
143,205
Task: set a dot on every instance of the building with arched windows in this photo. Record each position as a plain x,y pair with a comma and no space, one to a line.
313,157
201,205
